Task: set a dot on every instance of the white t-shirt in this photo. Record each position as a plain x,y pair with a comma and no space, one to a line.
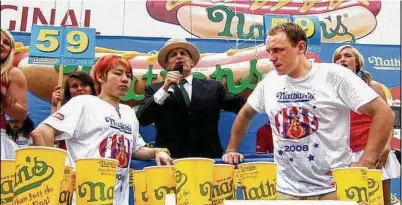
7,146
309,117
22,141
92,128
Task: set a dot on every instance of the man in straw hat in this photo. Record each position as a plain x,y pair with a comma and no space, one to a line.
308,107
186,116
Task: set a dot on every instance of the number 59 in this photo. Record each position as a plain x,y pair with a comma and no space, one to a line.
77,41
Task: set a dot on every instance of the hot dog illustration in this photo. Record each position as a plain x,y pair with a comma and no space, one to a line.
244,19
238,70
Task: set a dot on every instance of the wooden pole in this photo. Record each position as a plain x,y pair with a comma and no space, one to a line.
60,83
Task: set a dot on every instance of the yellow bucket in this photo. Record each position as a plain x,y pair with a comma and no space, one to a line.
237,182
38,173
140,187
223,183
258,180
194,178
160,182
95,180
67,188
351,183
374,184
7,181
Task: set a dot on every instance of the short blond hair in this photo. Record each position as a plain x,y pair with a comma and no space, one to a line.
356,53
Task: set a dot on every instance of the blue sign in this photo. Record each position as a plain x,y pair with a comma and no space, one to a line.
310,24
59,45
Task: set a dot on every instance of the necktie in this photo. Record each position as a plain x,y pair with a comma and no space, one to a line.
184,92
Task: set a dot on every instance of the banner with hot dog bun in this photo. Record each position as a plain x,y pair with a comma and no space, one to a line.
378,21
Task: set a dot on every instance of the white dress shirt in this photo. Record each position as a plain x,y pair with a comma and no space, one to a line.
161,95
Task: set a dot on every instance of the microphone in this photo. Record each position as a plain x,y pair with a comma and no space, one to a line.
177,67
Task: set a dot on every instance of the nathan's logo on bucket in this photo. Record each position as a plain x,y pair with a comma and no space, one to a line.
223,189
95,180
66,197
7,181
375,190
67,186
7,189
357,193
162,191
160,181
95,192
144,196
373,186
181,179
264,190
351,183
30,177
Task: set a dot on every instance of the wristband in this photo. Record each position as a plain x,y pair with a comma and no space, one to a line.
157,150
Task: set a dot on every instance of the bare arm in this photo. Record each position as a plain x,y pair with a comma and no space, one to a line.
377,87
44,135
240,126
380,130
18,90
145,153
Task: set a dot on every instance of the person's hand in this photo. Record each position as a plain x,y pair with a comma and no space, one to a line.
232,158
163,158
57,95
9,100
383,157
172,77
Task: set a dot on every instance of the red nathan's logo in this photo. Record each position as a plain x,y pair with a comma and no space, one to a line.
58,116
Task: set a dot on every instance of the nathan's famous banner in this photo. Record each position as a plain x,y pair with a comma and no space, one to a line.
239,69
378,21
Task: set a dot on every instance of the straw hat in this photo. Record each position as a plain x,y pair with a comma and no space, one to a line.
174,43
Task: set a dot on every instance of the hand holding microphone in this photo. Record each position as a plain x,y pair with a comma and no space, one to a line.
173,78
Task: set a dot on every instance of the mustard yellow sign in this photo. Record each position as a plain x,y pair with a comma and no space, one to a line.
38,173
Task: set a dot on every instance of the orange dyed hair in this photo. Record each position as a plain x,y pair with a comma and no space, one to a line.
105,64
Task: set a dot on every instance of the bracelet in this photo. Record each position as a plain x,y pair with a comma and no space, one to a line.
157,150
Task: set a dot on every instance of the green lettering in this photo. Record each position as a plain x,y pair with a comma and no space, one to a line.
244,84
215,15
131,95
40,168
90,188
149,75
199,75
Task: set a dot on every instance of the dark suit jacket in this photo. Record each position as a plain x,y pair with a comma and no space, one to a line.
193,131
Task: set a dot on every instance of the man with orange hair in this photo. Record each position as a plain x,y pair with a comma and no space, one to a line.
93,125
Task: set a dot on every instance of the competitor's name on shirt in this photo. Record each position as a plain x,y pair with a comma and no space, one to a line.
126,128
294,97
